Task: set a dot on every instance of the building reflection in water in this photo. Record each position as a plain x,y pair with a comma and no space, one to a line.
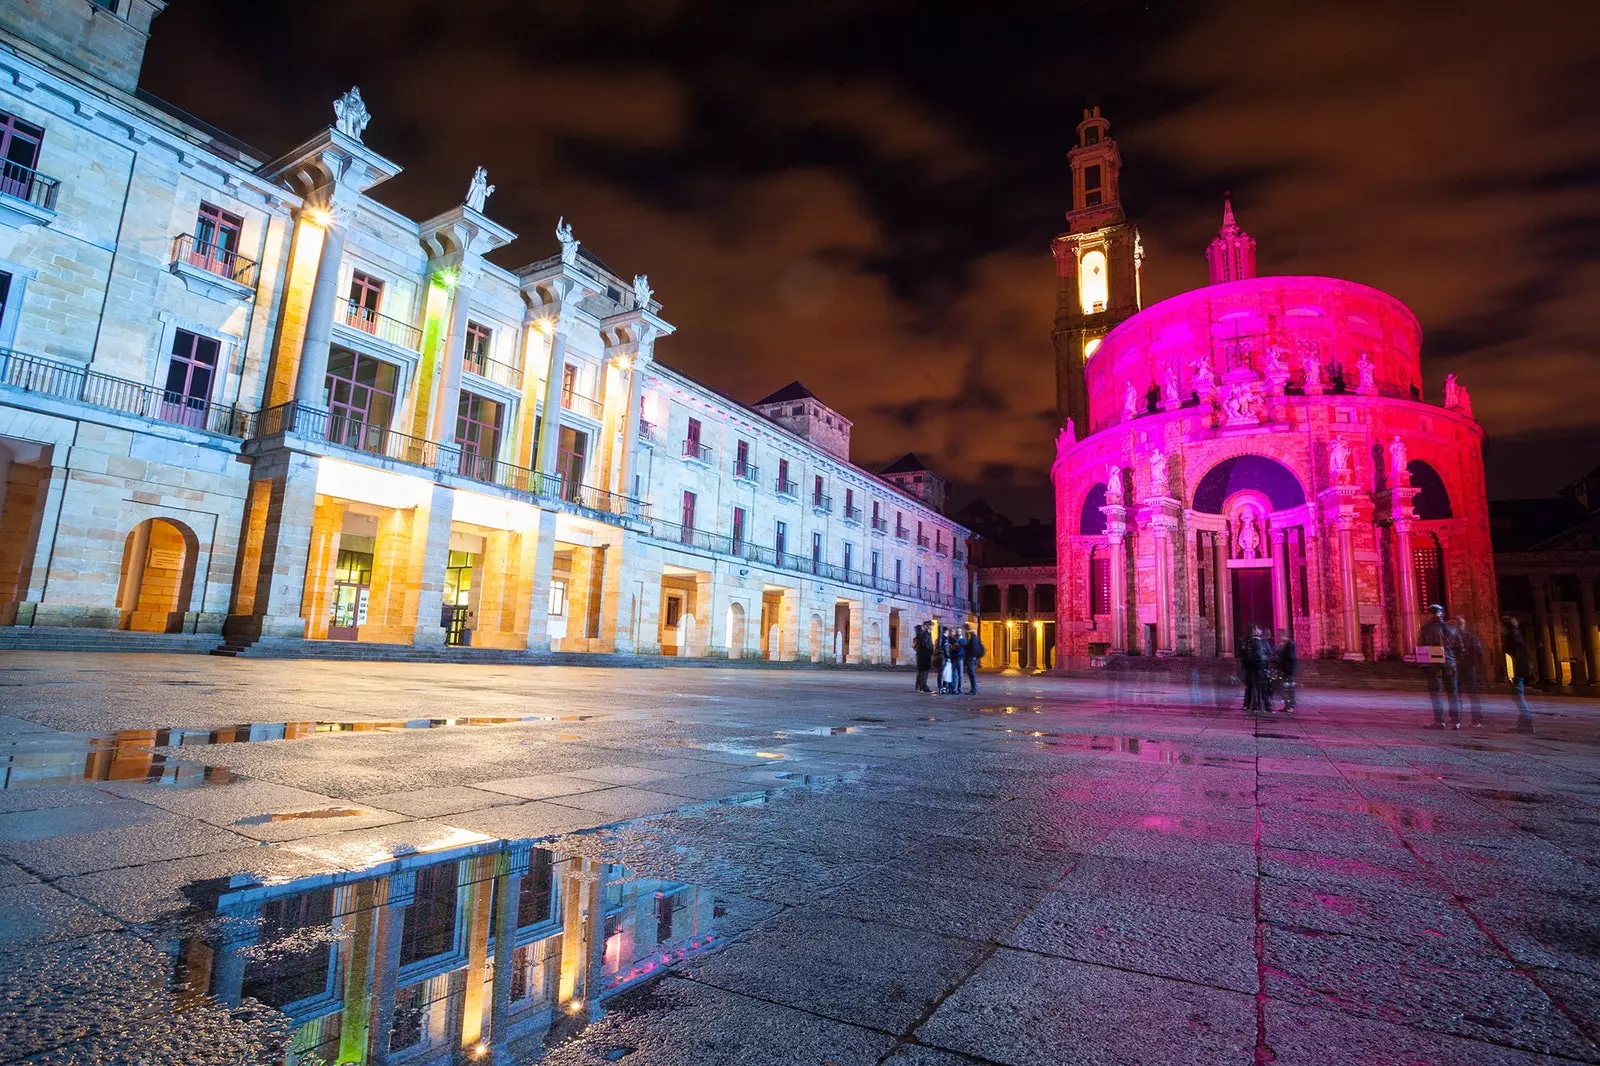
404,962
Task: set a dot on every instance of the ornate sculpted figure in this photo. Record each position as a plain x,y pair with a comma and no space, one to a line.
1311,365
1205,378
1113,483
1249,536
1397,460
1159,484
480,190
569,243
1239,404
1452,391
1130,402
350,115
1364,368
1067,437
1275,361
642,290
1339,461
1171,391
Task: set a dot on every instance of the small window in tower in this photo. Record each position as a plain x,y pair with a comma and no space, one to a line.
1093,288
1091,135
1092,190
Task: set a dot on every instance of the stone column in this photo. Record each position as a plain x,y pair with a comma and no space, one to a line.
1164,595
402,892
1347,588
1280,575
1406,580
1224,593
1591,639
550,424
481,881
1116,540
513,868
544,561
433,523
311,376
1541,621
448,399
363,902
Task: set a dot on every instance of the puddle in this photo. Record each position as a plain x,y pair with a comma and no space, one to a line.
442,957
34,760
1158,751
823,731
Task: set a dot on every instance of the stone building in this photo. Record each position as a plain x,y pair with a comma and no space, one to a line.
239,395
1259,452
1547,561
1014,576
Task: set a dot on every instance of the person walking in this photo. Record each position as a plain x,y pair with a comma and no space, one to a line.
974,653
1252,664
1521,669
1470,669
938,663
922,647
1443,682
1288,662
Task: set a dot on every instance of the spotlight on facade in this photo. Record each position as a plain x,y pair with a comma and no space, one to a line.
624,363
447,278
744,572
320,216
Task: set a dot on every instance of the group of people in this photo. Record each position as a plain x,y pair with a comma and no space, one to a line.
1460,667
1265,667
950,655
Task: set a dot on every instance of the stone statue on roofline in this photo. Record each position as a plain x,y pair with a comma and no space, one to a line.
1205,378
641,290
1067,437
1311,366
1365,382
1159,484
569,243
1130,402
1339,462
479,191
1113,484
350,114
1172,391
1398,470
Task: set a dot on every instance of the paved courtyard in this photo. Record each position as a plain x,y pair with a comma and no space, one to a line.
1051,871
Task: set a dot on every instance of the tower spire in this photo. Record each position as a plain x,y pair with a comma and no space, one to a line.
1232,253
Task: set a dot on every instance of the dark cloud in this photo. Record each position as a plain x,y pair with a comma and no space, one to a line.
861,193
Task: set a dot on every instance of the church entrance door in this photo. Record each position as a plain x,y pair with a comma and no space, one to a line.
1252,602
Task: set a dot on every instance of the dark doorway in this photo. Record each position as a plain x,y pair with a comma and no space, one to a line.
1252,602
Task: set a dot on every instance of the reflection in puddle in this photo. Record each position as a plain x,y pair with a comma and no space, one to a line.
446,956
131,755
1158,751
823,731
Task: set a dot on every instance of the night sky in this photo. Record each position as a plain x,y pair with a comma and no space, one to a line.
861,193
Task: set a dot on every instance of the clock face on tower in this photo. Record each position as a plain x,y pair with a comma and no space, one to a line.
1093,286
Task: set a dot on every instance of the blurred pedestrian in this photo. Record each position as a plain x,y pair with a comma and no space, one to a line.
938,662
922,647
1443,681
1288,664
958,654
974,653
950,672
1254,659
1470,669
1520,669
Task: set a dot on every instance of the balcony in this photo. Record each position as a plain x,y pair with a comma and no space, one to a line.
581,405
923,543
386,329
696,452
64,381
901,533
746,471
648,433
27,197
211,270
348,434
852,515
492,370
821,504
957,554
787,488
880,525
938,548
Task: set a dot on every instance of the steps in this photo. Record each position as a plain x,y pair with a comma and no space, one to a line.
66,638
1314,673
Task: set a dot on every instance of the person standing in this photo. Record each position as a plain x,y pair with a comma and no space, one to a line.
1469,670
958,649
1288,660
947,672
1520,668
974,653
1443,680
1252,664
922,647
938,662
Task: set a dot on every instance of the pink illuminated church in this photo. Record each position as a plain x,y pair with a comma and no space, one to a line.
1256,452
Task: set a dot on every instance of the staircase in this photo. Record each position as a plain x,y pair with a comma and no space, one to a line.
67,638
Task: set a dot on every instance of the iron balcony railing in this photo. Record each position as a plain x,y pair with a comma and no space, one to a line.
392,330
348,432
493,370
852,514
647,432
693,449
787,487
579,404
901,533
705,540
64,381
746,471
880,525
492,471
938,548
821,503
214,258
957,554
600,501
922,541
25,183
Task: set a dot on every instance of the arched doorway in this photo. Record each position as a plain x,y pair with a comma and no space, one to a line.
735,631
158,563
1246,583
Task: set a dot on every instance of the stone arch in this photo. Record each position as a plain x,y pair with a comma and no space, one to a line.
158,569
874,643
1092,520
814,638
736,635
1432,501
1248,472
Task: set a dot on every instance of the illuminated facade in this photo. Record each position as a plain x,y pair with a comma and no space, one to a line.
239,396
1259,452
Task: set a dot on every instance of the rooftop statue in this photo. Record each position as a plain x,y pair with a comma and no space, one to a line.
350,114
480,190
569,243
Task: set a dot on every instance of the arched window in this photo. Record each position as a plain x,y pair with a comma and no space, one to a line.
1092,520
1432,501
1427,566
1094,286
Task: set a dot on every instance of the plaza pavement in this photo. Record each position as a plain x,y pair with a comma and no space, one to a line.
1051,871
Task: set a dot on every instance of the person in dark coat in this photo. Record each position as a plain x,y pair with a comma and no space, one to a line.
1253,661
1470,667
958,654
1522,670
938,662
1443,680
922,647
974,653
1288,663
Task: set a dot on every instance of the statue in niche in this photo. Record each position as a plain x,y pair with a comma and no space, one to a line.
1159,484
641,290
569,243
479,191
1311,365
1205,378
1249,541
1239,405
1275,361
1364,368
1339,461
350,114
1130,402
1397,461
1113,484
1172,391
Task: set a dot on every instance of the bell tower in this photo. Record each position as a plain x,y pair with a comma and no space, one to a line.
1097,264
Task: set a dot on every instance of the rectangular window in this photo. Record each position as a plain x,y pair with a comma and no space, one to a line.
478,426
875,562
693,436
738,529
816,552
847,558
783,477
674,611
476,356
688,512
741,462
919,579
569,383
938,583
19,155
876,513
366,294
191,371
429,922
1091,176
849,501
572,459
780,540
216,240
360,397
1099,585
296,959
537,896
816,490
898,573
558,597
